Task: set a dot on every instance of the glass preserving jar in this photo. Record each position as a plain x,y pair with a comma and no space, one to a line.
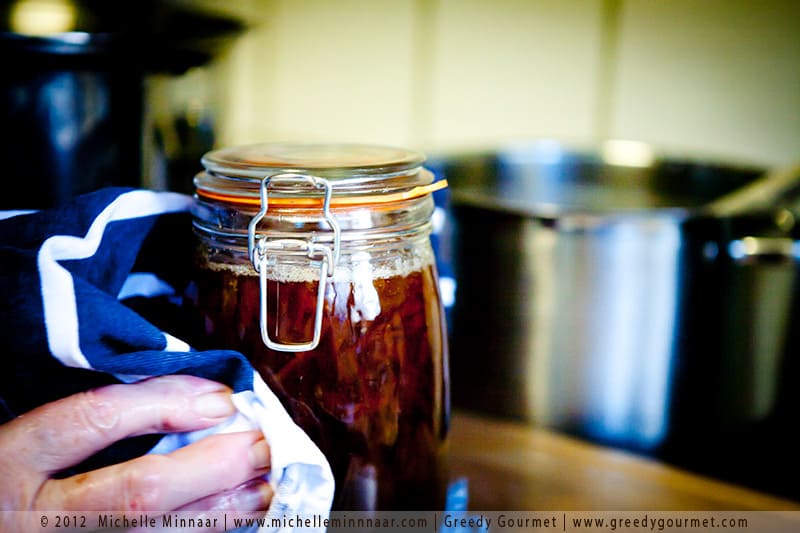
315,262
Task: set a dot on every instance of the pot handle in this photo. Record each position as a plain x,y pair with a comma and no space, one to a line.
776,186
751,249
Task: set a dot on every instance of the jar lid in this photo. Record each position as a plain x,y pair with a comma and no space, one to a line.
358,173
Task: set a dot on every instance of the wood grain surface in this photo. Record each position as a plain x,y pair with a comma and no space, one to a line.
514,466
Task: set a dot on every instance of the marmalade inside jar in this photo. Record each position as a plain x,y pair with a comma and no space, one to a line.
372,395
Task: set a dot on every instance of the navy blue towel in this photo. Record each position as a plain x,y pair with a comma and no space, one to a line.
91,296
67,274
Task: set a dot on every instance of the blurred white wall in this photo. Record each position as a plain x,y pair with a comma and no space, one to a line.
721,76
717,78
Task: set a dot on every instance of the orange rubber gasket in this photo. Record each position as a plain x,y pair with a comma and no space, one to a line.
340,201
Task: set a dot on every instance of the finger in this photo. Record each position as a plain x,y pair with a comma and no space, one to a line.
63,433
163,482
207,515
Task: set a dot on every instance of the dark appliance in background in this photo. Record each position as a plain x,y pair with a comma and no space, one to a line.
651,306
76,106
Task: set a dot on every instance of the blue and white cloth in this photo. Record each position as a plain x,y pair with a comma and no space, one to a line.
91,296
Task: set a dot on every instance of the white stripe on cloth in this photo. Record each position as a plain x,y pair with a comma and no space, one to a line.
15,213
58,289
144,284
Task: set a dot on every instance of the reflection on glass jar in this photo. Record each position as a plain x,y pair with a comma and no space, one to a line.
336,303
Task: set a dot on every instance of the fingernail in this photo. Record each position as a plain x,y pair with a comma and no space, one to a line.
254,495
259,455
265,492
214,405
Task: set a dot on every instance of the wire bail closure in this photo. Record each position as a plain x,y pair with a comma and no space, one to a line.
261,247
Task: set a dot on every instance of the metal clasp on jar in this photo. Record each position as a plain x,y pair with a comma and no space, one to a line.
261,247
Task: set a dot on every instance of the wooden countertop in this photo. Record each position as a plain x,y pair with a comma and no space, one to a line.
513,466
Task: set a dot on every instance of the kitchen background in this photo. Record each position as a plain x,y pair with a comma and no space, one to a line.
717,77
708,80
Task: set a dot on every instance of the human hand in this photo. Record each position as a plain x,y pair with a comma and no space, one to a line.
218,473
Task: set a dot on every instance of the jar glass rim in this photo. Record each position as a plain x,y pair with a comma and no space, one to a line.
340,162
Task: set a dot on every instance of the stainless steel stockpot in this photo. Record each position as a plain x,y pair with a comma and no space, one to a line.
632,299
